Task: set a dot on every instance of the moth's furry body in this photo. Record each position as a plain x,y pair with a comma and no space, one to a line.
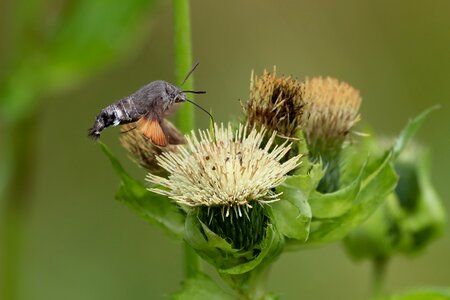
149,103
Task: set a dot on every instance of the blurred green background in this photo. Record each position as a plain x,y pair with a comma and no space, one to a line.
79,243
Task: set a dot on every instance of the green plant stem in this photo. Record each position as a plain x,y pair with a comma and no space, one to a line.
378,276
191,261
20,138
183,60
251,285
185,115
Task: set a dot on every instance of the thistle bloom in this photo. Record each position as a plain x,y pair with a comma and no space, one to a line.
143,151
331,111
230,170
275,103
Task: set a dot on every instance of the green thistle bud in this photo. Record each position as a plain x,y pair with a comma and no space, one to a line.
332,109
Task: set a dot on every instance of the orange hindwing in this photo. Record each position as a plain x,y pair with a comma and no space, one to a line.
152,130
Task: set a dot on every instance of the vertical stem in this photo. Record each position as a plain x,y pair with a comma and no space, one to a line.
185,116
183,59
378,276
19,165
251,285
191,261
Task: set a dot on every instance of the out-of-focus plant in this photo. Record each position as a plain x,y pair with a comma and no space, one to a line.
52,45
408,220
421,294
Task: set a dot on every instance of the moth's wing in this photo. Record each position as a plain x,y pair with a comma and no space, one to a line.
151,129
174,137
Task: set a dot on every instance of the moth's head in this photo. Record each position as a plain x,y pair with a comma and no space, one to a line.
175,94
180,97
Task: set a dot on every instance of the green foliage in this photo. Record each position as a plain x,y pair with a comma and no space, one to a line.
84,37
201,287
422,294
53,45
410,130
333,205
402,224
292,214
379,179
156,209
328,217
411,216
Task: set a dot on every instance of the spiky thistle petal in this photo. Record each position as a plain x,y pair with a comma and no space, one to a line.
231,170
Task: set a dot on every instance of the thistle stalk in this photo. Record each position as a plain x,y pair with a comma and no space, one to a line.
183,60
185,117
378,276
15,200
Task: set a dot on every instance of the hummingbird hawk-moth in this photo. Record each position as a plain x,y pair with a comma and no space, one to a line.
146,107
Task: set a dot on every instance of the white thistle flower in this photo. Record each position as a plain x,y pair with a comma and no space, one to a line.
229,170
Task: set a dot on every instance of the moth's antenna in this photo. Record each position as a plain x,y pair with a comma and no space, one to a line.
192,102
195,92
190,72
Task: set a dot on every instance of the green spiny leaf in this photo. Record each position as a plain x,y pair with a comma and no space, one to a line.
154,208
201,287
292,214
410,130
332,205
375,187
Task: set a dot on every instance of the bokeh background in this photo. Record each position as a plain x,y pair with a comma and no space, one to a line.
79,243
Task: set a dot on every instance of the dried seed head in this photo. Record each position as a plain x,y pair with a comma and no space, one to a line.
143,151
331,111
275,103
229,170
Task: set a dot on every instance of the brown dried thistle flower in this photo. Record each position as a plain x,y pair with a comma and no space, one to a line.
275,103
229,170
143,151
332,110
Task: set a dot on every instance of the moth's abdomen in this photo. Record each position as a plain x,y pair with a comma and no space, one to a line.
122,112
